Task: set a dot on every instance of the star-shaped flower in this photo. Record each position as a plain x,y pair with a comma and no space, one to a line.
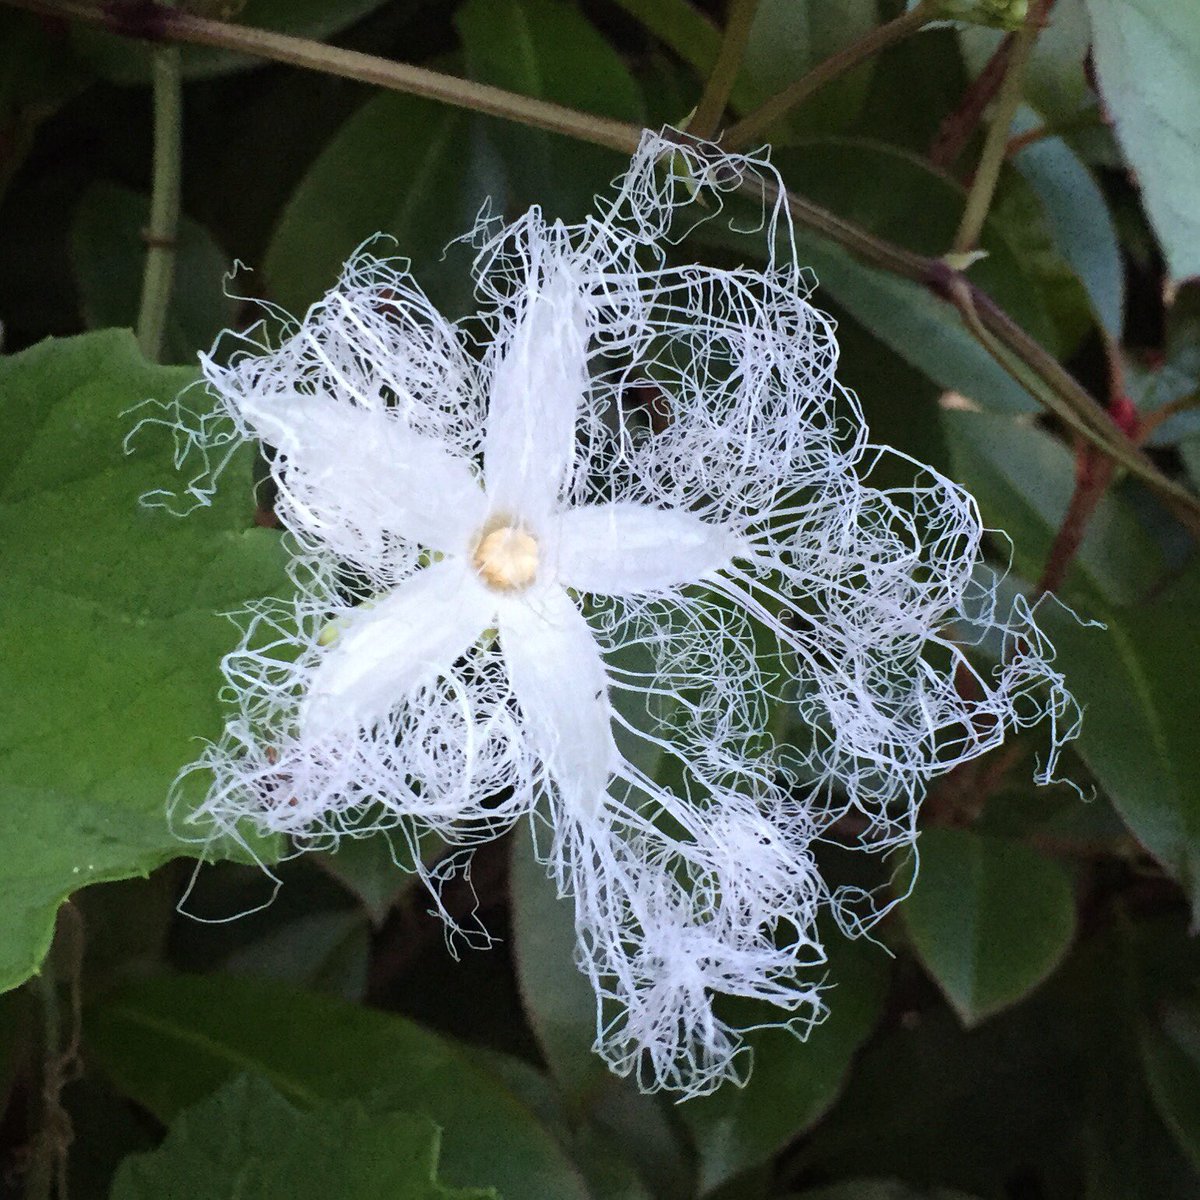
570,561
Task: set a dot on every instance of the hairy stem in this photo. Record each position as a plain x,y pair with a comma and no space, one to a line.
995,146
751,128
47,1173
159,275
715,99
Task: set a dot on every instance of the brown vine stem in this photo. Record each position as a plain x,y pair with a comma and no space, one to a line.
752,127
145,20
713,102
1018,353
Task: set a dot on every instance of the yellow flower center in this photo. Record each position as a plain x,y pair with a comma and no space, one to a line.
506,557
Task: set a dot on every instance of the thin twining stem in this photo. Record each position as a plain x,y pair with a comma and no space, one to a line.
752,127
713,102
161,233
1023,358
995,146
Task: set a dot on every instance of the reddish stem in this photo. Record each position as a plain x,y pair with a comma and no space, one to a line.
956,129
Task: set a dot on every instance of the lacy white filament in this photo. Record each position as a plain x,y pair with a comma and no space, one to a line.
563,561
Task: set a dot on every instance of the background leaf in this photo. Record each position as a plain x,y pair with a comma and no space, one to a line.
989,917
315,1049
1148,60
111,616
545,48
247,1141
790,37
424,192
1138,737
793,1082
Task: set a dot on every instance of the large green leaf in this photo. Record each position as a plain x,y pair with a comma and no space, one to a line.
546,48
1141,714
246,1142
423,191
108,254
110,618
315,1049
990,919
1023,479
126,61
793,1083
1147,55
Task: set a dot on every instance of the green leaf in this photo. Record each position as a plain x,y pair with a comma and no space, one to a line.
787,40
1020,213
423,192
111,618
547,49
989,918
792,1083
246,1142
108,254
326,951
1170,1048
1139,728
682,27
616,1145
1147,55
315,1049
556,995
378,869
1023,479
125,61
1083,228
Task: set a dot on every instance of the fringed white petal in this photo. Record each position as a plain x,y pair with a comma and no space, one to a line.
537,389
625,548
561,686
404,484
395,646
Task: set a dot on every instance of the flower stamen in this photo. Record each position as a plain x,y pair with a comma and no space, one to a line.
506,557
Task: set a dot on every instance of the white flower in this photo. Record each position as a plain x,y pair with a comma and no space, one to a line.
564,561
